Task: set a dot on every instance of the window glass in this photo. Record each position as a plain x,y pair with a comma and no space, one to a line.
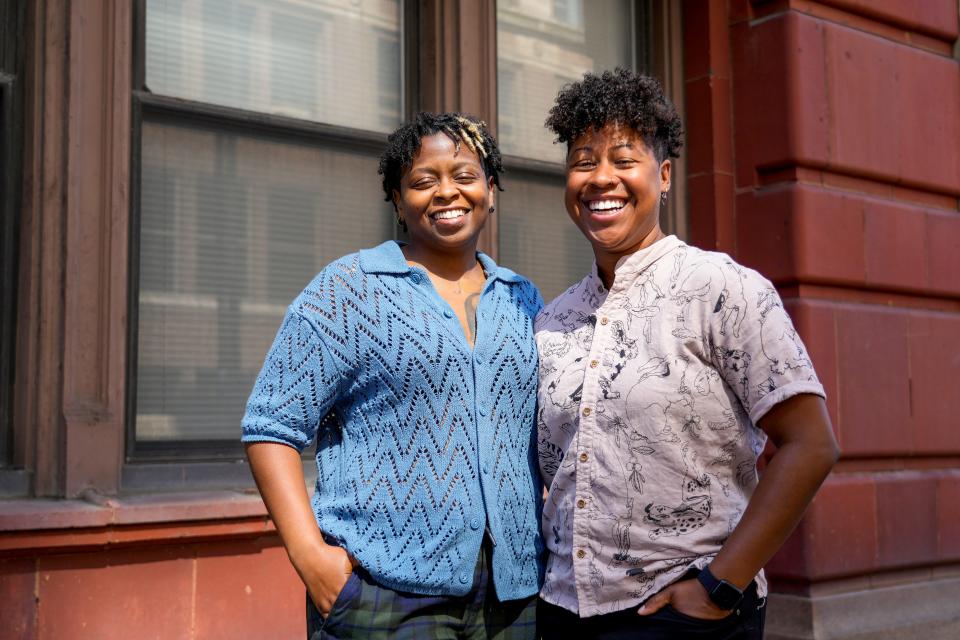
333,61
232,228
233,224
543,46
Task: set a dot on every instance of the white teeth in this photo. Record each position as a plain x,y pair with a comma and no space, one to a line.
449,215
605,205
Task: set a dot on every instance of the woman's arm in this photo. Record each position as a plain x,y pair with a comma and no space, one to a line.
323,568
806,451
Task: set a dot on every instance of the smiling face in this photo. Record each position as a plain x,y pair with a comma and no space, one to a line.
614,182
444,196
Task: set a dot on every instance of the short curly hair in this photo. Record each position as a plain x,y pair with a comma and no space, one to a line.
404,143
621,97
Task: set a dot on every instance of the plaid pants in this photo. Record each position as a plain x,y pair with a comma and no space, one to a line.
364,609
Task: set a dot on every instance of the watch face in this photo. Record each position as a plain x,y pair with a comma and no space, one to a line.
725,595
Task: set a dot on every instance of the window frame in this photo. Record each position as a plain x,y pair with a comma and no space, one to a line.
12,67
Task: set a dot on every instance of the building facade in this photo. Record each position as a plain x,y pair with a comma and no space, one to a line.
174,171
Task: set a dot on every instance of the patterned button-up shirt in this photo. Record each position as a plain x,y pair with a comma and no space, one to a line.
648,402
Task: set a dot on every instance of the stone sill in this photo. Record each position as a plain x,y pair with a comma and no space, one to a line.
48,525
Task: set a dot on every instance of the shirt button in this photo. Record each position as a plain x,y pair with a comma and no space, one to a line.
604,320
581,553
482,411
581,503
448,314
586,411
583,457
594,363
464,577
475,524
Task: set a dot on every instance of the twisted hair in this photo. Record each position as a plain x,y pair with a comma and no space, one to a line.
404,143
618,97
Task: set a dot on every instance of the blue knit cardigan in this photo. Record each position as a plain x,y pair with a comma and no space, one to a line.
422,442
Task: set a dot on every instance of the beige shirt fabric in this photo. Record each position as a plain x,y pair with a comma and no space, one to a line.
648,399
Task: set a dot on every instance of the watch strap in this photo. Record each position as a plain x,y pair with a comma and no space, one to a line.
722,593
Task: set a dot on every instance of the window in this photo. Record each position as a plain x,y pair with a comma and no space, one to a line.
11,126
257,129
260,127
543,46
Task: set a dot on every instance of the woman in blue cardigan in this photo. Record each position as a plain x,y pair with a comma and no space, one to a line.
414,368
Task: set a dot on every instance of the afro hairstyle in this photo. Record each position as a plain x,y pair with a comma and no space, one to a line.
618,97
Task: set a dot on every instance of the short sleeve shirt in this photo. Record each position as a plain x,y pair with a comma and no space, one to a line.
648,401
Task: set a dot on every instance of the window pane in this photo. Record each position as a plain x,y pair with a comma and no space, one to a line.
232,228
538,239
542,46
334,61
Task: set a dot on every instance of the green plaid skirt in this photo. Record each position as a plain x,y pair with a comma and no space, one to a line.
365,609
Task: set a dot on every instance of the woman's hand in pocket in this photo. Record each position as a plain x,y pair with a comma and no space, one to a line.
325,572
689,598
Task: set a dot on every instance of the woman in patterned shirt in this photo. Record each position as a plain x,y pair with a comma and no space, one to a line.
662,373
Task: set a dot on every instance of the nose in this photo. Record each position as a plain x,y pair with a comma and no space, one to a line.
446,189
604,176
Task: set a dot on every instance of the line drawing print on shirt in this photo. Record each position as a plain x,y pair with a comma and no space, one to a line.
704,281
776,337
694,508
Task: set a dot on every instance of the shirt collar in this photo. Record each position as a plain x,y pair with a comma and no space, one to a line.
629,267
388,258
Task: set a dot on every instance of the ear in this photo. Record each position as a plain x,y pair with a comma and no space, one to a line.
491,192
395,197
666,169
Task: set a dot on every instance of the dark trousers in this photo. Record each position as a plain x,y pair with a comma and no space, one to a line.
744,623
364,609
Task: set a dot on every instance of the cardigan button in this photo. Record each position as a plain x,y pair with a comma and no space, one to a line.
448,314
464,577
482,412
475,524
416,278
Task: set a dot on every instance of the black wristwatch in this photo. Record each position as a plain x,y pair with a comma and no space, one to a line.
724,595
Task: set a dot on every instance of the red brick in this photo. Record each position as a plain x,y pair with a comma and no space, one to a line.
948,516
102,596
817,326
708,133
874,389
935,17
934,344
895,241
818,234
860,72
842,528
244,590
18,602
943,252
789,563
928,105
696,38
779,95
907,519
892,142
711,211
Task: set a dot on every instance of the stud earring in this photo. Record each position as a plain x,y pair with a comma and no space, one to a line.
663,197
491,210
